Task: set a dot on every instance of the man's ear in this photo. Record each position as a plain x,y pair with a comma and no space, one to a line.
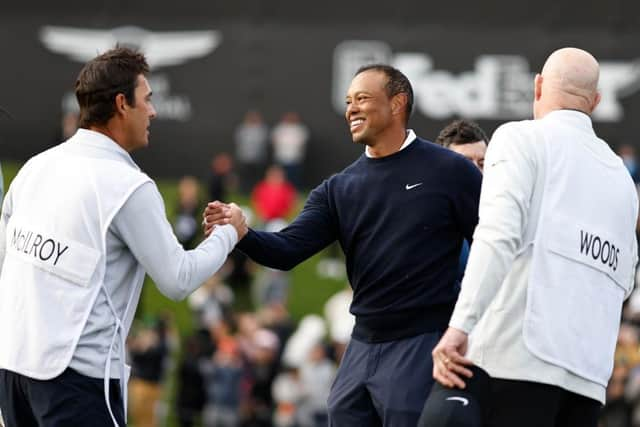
399,103
596,101
537,87
121,103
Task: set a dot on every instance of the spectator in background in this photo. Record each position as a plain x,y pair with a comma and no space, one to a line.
259,348
301,391
221,180
275,317
251,149
628,155
622,388
274,197
190,394
271,285
186,224
148,349
617,412
340,321
223,375
467,138
317,373
289,138
211,301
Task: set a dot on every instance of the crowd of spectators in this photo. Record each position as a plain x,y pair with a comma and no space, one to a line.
239,368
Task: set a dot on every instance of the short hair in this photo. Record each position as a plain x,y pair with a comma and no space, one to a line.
460,132
101,79
397,83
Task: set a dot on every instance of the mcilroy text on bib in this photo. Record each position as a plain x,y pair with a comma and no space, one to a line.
56,254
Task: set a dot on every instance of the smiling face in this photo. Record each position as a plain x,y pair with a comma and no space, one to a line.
369,111
138,116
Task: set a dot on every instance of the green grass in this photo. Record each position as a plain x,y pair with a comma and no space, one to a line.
9,170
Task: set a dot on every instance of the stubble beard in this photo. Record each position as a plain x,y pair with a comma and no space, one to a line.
361,139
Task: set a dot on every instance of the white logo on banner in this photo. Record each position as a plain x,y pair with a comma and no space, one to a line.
498,87
162,49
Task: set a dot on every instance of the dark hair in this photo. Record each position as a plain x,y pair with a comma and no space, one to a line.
461,132
398,83
101,79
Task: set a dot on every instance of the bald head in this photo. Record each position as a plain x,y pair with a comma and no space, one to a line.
569,80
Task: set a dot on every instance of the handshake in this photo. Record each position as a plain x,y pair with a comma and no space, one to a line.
218,213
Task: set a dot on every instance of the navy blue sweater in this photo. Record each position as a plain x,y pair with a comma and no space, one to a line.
400,220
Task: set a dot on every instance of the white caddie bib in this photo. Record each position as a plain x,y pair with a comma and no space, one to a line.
582,265
63,203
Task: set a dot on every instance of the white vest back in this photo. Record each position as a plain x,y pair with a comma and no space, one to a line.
63,203
583,256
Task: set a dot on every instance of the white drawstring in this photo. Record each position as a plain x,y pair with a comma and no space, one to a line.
119,329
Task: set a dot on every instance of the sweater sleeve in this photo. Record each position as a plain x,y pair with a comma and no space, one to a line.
467,197
313,230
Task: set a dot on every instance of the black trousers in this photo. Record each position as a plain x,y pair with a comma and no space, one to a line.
70,399
530,404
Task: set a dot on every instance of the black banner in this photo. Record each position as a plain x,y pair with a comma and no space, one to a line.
214,61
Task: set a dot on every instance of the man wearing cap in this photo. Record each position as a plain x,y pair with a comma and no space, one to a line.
552,261
72,263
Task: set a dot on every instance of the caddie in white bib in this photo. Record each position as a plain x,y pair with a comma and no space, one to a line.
582,253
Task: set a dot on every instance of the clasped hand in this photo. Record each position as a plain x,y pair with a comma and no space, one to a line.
218,213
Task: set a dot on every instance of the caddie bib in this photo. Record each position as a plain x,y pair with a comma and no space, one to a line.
582,260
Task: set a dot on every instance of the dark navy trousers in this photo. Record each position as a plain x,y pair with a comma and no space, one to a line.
383,384
70,399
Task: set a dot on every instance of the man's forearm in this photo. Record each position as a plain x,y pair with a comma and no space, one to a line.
278,250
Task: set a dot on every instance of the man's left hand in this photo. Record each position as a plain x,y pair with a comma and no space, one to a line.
449,363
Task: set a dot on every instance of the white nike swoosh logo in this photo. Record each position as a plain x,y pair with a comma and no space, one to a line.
409,187
464,401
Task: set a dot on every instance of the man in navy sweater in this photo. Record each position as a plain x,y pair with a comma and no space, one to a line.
400,213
